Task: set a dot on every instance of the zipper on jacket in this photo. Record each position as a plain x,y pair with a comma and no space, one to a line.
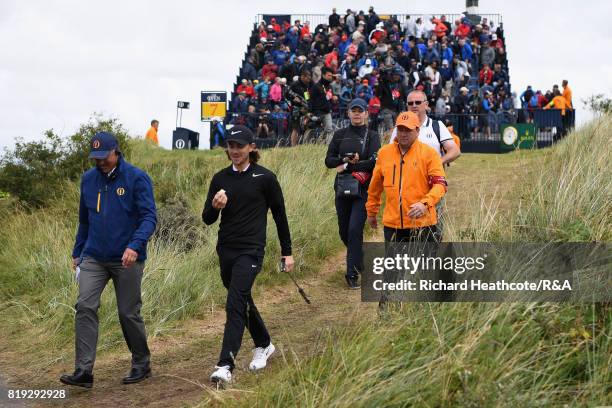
98,206
393,181
400,191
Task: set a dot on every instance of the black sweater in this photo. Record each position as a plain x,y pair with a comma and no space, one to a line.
244,218
350,140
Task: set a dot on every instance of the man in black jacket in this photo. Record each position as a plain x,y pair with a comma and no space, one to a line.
298,96
242,194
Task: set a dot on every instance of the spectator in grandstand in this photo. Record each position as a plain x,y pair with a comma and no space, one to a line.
364,91
431,54
487,54
526,96
465,50
336,85
269,70
246,88
241,103
262,89
350,21
366,69
485,77
152,132
559,102
372,20
567,94
334,19
419,28
410,28
409,213
248,70
352,152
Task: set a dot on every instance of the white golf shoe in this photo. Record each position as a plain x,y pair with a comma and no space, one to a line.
260,357
221,375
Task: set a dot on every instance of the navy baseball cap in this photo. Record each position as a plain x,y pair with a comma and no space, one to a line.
102,144
358,103
240,134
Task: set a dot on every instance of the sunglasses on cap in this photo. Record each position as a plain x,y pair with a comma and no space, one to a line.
413,103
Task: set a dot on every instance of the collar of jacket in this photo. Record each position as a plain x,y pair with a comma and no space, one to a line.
117,171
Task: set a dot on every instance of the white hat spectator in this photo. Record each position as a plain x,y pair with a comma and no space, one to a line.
368,61
464,89
494,37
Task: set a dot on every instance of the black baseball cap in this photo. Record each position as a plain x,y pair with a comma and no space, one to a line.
102,144
240,134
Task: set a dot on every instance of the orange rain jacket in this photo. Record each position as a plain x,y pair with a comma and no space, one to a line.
419,177
152,135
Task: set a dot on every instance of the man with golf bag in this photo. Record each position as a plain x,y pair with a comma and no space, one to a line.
242,193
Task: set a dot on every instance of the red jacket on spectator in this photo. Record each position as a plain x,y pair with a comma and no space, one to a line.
440,29
304,30
275,25
269,70
286,26
462,31
331,57
250,92
486,76
374,105
542,101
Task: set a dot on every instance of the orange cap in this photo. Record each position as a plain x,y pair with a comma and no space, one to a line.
409,120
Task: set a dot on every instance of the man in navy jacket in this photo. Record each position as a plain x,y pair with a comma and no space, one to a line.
117,216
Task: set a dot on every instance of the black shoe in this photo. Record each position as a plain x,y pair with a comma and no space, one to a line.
80,378
137,375
353,282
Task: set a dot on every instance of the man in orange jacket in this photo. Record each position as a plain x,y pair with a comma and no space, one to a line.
412,177
152,132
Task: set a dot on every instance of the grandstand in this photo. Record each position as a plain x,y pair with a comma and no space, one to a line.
458,60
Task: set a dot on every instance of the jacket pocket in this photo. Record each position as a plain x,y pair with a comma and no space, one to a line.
389,175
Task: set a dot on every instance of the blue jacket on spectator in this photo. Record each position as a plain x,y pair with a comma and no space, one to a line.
262,89
364,92
249,71
447,54
446,73
291,39
431,55
486,106
279,56
346,95
422,48
115,213
466,52
342,47
362,61
241,106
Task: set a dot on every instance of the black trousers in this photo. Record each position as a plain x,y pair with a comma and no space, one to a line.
351,221
239,268
424,234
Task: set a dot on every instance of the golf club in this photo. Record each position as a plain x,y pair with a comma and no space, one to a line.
284,269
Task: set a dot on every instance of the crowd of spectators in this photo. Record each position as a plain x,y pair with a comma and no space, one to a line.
461,66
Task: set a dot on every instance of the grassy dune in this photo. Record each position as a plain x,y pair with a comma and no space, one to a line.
530,354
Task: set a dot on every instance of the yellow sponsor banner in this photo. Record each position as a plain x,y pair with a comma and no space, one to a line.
214,104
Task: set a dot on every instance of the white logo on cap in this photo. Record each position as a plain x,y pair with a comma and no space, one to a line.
233,133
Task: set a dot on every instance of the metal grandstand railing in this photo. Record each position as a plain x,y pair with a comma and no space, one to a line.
316,19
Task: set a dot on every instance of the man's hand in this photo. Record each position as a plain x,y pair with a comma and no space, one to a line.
355,159
372,221
417,210
129,257
75,263
289,263
219,200
340,168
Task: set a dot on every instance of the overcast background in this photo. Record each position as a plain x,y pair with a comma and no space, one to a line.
60,61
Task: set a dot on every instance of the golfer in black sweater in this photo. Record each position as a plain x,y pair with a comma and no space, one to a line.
242,194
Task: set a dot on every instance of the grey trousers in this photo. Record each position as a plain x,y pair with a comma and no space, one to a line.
93,278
